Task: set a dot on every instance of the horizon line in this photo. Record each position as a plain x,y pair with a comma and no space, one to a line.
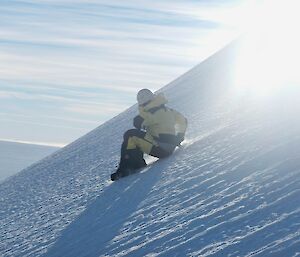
56,145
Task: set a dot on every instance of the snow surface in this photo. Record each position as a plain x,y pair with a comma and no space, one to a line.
233,189
17,156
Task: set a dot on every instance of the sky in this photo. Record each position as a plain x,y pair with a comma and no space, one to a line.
67,66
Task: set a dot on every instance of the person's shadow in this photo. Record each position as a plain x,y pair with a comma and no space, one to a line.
90,234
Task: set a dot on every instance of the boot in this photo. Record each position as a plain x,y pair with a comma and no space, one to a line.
121,171
132,160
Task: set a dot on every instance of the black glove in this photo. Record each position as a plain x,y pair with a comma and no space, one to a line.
180,138
137,122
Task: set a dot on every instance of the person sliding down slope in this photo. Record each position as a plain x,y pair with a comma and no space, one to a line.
158,131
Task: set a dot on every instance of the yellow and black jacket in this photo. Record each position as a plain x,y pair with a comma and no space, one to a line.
162,124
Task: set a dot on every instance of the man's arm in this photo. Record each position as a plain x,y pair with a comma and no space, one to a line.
181,126
181,122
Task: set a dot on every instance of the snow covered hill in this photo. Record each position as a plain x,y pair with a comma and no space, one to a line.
233,189
16,156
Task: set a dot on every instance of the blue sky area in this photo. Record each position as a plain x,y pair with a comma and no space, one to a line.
68,66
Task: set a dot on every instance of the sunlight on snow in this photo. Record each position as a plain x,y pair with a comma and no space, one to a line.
269,57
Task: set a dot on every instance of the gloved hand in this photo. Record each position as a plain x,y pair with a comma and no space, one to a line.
137,122
180,138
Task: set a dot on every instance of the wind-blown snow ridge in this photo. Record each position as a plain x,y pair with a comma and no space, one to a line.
232,189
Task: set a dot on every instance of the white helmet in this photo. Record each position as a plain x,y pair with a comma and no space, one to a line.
144,96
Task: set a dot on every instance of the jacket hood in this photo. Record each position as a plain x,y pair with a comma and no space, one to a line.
157,101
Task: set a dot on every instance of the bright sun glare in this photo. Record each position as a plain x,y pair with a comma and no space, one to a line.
269,57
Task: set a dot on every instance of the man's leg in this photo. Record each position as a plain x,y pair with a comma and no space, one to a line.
138,142
132,150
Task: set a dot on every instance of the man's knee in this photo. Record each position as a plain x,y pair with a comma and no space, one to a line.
133,132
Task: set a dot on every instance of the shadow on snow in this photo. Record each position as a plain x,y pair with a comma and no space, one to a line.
103,219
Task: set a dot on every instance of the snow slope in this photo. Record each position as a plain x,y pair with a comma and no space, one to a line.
16,156
233,189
